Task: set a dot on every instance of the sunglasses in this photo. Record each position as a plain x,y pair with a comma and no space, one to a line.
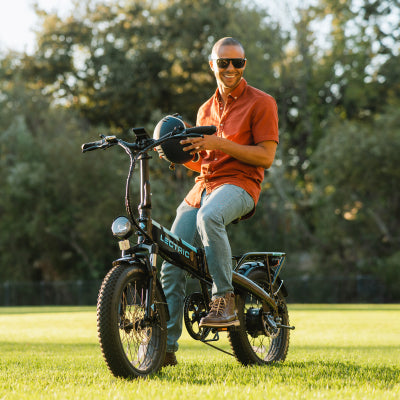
223,63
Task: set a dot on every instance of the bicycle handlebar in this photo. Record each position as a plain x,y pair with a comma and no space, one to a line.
108,141
104,143
136,149
91,146
201,130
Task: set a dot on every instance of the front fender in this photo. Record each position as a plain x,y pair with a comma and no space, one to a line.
140,267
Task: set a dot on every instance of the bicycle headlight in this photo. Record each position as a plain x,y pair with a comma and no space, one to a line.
121,228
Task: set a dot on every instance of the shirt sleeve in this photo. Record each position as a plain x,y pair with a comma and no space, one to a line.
265,120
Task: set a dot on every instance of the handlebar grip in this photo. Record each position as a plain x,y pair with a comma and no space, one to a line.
202,130
91,146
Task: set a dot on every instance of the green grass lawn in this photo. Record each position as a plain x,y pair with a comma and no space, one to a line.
336,352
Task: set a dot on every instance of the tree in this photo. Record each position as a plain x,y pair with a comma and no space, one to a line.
112,66
120,63
54,203
356,201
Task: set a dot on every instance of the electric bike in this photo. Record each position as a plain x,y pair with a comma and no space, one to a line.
132,311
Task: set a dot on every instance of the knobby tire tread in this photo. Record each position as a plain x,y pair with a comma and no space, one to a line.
108,335
239,339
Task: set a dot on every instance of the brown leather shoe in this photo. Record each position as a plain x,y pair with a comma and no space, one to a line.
222,313
170,360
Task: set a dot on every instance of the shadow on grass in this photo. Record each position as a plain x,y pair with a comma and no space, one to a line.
324,374
205,371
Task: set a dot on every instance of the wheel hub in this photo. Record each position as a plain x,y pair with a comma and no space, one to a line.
260,323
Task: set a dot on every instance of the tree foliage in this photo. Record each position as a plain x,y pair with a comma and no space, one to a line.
356,198
331,194
52,199
118,63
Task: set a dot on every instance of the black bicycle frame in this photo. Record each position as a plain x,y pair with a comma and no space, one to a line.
154,239
182,254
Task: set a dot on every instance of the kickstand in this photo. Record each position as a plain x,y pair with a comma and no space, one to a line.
215,339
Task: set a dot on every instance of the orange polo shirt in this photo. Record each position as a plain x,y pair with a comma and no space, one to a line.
249,117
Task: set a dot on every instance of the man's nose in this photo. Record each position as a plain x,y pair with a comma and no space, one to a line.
230,67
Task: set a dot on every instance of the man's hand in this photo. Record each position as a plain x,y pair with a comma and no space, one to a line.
197,144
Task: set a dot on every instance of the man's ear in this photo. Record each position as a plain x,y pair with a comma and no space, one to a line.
211,63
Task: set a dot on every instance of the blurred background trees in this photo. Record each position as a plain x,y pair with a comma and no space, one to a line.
331,199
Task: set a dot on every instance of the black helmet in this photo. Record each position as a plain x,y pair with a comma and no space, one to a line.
171,150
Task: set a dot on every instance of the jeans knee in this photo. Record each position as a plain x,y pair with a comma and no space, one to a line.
207,217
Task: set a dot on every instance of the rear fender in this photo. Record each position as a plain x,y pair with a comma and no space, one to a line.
241,282
248,267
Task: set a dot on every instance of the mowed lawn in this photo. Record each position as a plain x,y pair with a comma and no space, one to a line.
336,352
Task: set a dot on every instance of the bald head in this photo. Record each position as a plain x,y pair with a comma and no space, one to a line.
226,41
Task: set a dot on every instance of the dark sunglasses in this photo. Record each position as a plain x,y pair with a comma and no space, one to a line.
223,63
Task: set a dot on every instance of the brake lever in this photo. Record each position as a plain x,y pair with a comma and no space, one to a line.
110,139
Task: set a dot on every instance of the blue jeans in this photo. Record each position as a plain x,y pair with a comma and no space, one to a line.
203,227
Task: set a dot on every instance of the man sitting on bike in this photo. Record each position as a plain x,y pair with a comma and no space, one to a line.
231,165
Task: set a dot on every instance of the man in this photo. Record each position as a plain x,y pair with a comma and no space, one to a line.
231,164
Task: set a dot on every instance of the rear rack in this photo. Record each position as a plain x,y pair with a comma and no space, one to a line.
268,258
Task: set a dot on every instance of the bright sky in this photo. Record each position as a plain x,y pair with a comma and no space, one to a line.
18,20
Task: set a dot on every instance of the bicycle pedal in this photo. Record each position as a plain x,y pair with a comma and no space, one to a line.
233,328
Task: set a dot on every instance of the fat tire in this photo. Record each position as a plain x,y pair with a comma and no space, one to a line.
261,350
129,350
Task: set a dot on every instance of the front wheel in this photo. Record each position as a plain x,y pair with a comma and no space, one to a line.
258,340
132,346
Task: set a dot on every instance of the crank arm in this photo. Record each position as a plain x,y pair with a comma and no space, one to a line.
285,326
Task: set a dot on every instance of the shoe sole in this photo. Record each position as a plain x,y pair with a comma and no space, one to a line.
220,324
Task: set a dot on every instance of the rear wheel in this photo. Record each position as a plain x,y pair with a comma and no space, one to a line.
131,345
258,340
